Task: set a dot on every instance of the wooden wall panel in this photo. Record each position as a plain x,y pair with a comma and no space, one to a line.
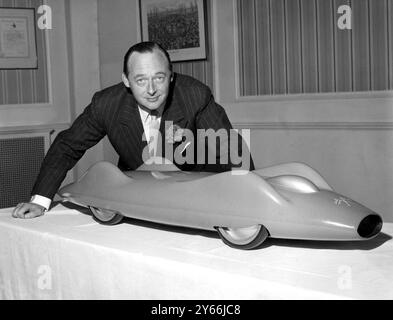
327,64
249,48
360,46
3,91
296,46
263,47
343,52
241,45
309,46
390,40
13,91
279,75
378,44
41,74
293,46
26,86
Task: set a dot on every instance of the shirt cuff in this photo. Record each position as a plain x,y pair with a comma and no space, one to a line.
42,201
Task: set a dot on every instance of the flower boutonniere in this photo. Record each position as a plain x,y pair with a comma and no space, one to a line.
174,134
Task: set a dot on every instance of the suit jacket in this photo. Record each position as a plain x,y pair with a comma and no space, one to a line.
114,112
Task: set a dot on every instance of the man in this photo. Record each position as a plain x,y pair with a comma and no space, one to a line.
133,114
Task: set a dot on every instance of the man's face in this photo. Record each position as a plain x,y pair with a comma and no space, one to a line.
148,78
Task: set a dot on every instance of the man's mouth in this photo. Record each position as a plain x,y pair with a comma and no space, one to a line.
154,99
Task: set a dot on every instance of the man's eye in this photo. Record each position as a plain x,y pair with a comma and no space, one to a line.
140,82
160,79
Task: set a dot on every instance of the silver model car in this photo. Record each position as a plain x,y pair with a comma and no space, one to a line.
288,201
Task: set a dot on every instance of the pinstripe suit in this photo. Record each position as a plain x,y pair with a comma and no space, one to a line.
114,112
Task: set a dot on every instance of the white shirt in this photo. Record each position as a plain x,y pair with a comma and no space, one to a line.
147,122
150,122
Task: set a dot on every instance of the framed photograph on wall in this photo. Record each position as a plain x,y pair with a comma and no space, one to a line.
178,25
17,38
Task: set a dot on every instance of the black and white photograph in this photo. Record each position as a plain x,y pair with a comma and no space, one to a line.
193,156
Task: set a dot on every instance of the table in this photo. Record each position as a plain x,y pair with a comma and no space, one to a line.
65,254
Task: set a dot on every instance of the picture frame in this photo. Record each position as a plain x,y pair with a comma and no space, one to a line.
177,25
18,48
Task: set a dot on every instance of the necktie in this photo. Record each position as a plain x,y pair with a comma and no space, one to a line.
154,128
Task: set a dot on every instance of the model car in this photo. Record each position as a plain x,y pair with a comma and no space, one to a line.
290,201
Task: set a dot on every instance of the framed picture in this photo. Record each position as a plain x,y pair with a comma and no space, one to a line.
178,25
17,38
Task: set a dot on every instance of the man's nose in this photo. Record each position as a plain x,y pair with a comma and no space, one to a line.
151,88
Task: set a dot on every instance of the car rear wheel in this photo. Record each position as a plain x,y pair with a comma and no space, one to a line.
106,216
243,238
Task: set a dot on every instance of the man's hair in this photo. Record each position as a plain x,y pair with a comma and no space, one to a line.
143,47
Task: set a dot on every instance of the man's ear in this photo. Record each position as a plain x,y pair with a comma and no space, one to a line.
125,80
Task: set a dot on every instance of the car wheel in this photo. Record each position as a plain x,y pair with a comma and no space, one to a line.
243,238
105,216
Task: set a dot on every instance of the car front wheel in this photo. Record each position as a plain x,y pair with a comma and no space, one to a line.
106,216
243,238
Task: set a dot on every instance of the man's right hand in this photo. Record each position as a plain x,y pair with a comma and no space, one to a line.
28,210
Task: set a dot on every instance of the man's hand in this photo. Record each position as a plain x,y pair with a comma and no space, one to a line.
28,211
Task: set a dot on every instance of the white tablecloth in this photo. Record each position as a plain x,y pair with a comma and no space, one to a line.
67,255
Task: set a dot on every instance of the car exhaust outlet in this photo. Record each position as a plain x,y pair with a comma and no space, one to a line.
370,226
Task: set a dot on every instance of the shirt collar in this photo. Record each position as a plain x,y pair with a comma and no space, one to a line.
145,114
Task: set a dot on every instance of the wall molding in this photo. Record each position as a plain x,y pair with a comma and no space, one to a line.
314,125
39,128
347,110
385,94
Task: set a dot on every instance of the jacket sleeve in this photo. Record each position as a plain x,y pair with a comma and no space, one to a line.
69,146
225,149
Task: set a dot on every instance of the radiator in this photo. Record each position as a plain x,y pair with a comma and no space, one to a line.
21,156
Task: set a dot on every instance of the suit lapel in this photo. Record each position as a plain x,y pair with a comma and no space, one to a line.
132,129
174,113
